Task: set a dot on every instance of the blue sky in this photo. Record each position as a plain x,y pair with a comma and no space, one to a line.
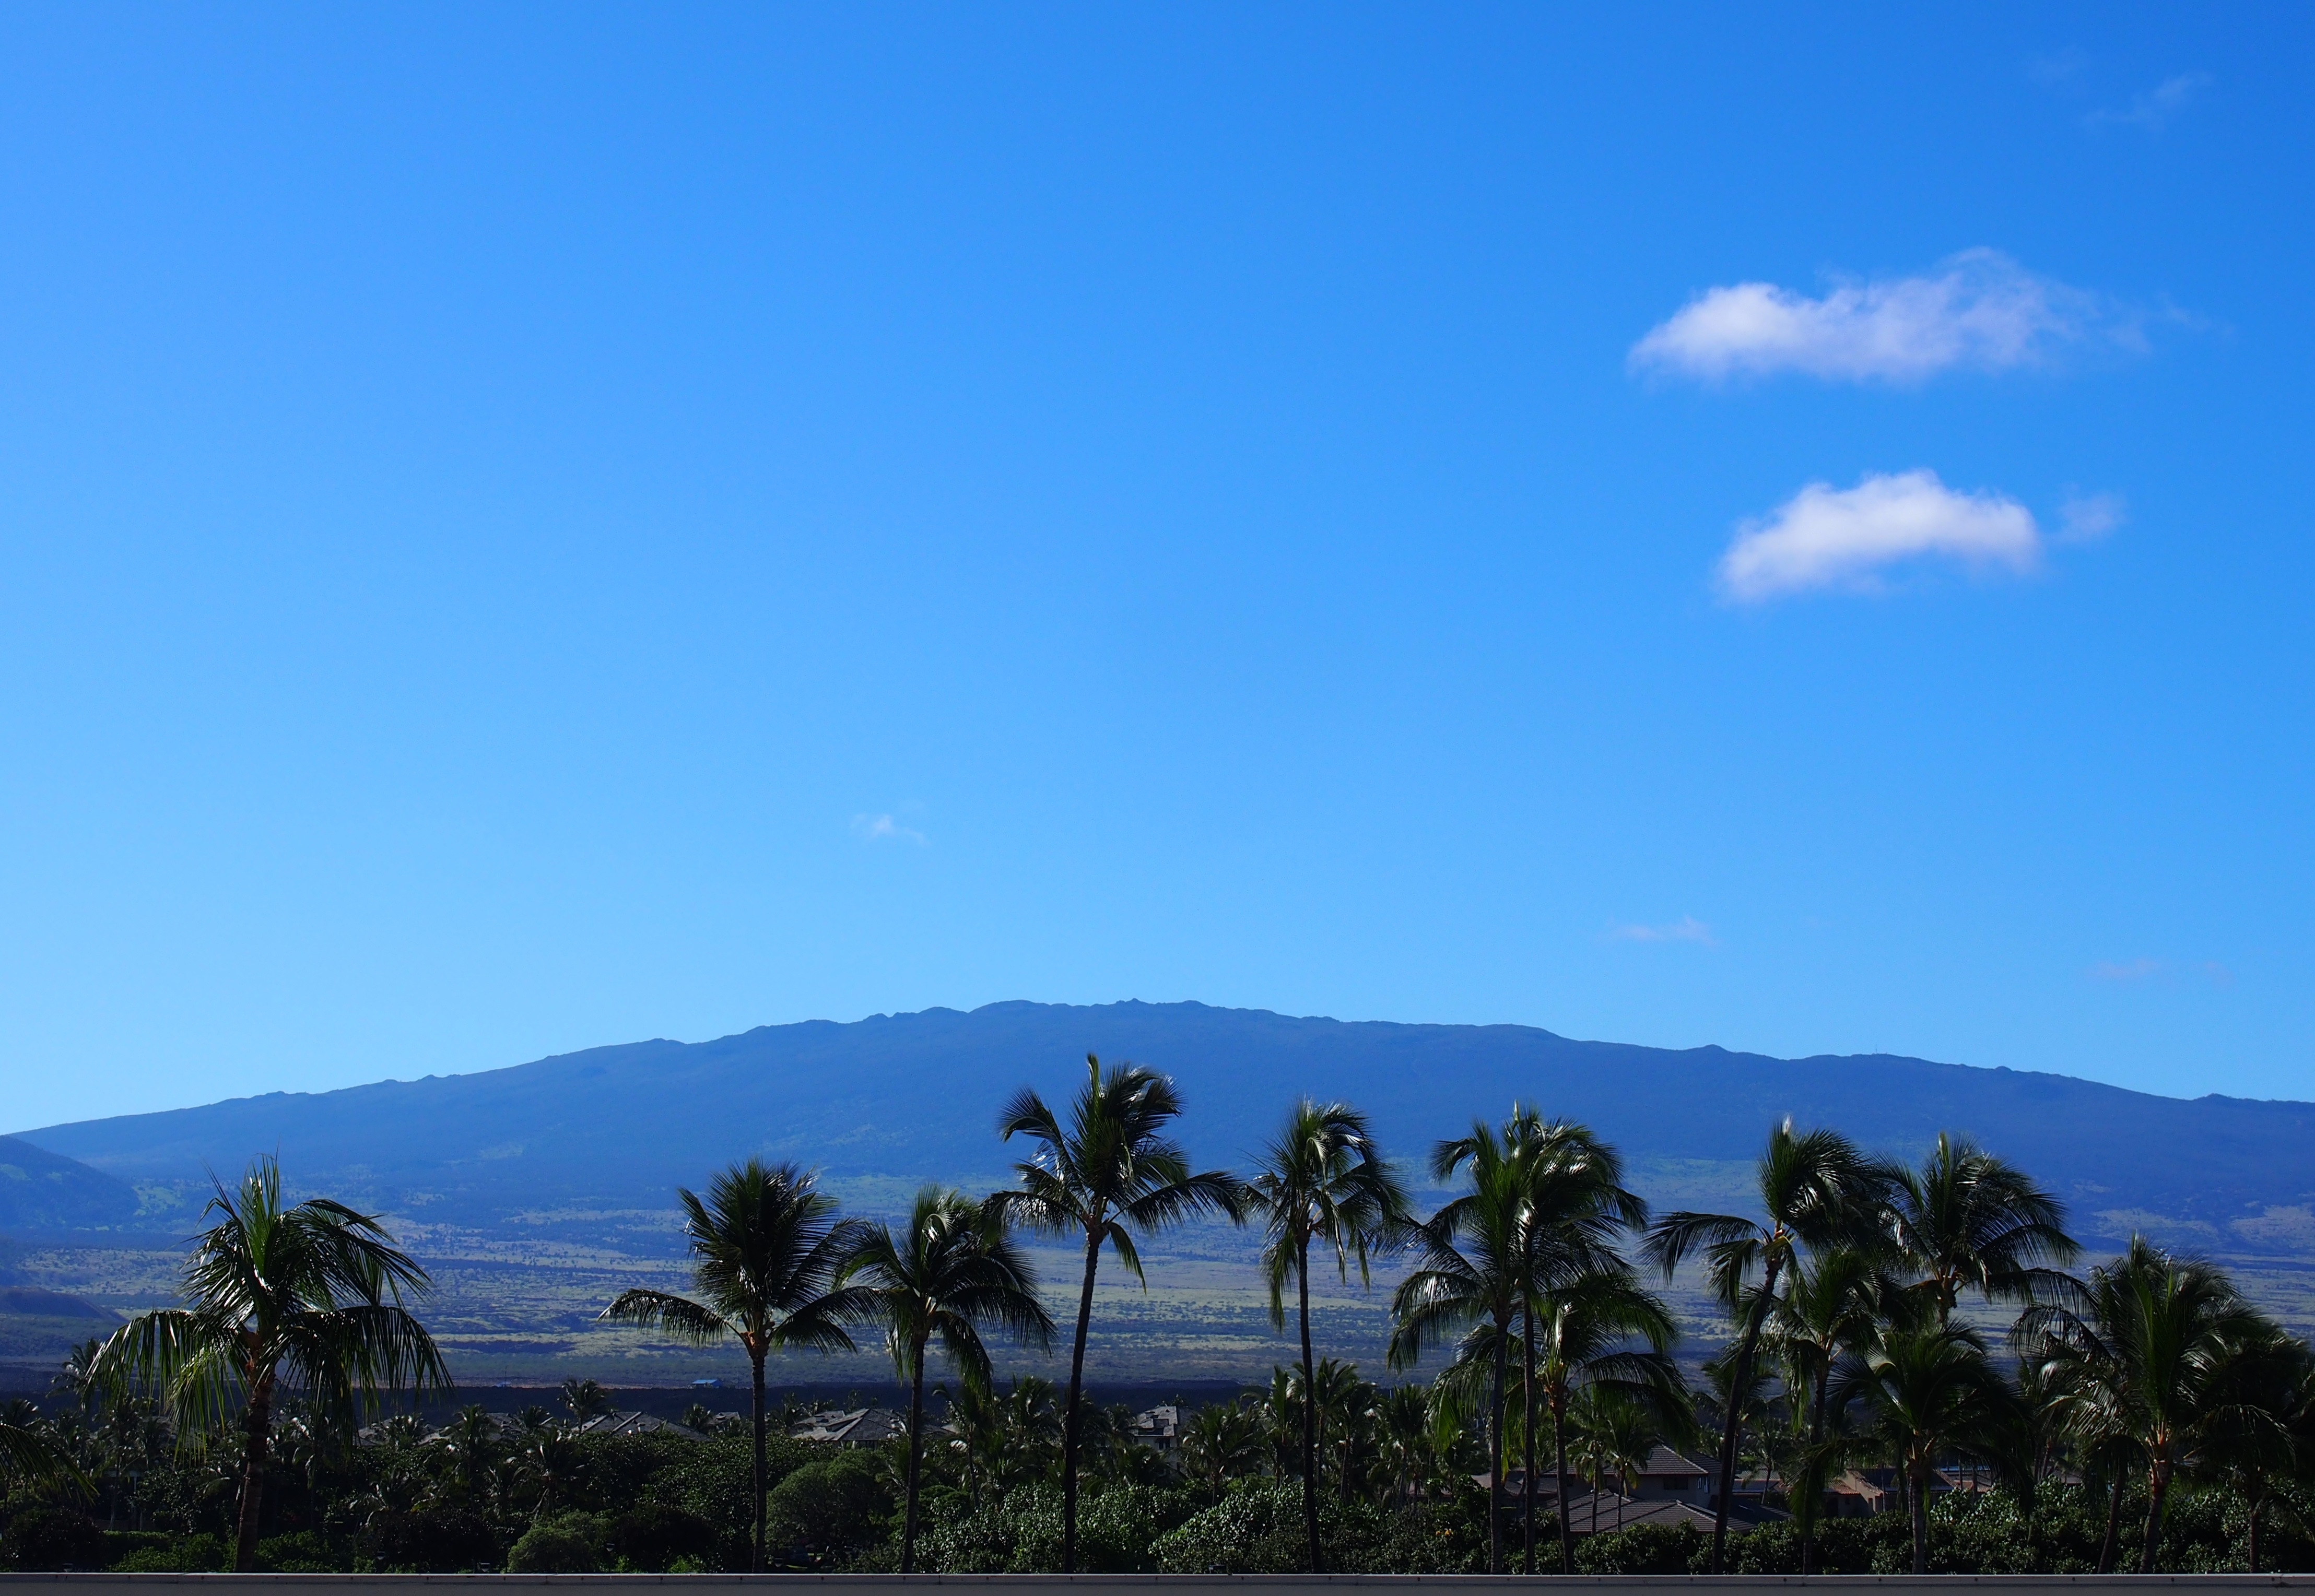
526,529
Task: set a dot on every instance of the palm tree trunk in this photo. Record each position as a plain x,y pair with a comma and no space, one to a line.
1496,1448
1070,1419
1309,1408
1527,1434
1739,1377
756,1394
2158,1491
1559,1475
1816,1505
258,1426
1918,1490
2257,1512
2113,1525
916,1456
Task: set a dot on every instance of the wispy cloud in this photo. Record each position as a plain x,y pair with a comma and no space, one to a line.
1687,928
1977,310
2132,971
1825,536
2154,110
883,827
2085,517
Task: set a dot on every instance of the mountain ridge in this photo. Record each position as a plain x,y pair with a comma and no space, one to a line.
879,1099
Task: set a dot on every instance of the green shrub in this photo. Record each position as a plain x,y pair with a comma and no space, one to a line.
304,1552
570,1543
826,1514
430,1540
651,1537
54,1540
1644,1548
1117,1529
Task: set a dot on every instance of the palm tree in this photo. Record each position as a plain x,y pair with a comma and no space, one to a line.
2157,1352
32,1452
1929,1393
1586,1331
1469,1278
766,1246
1321,1180
313,1293
585,1399
1815,1189
951,1270
2262,1426
470,1446
1969,1221
1111,1172
2084,1382
1222,1441
1838,1299
1619,1430
1574,1205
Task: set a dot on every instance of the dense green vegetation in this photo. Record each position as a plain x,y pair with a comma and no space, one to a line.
1923,1324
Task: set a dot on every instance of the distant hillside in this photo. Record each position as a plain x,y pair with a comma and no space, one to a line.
906,1097
42,1191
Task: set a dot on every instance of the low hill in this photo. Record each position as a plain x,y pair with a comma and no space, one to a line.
901,1098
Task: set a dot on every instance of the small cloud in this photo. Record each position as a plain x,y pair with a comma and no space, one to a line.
2154,109
883,827
1687,928
1825,536
2132,971
1978,310
2085,517
2065,67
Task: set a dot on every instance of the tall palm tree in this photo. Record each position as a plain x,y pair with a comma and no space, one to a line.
1574,1208
1586,1328
308,1297
1814,1190
1469,1280
1928,1393
1322,1180
1113,1170
1969,1221
951,1270
765,1247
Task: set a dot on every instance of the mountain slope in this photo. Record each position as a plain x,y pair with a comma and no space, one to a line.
42,1191
912,1096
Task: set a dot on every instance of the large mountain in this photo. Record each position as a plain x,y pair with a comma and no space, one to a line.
904,1097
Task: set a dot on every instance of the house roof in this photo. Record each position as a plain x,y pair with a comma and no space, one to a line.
637,1423
858,1426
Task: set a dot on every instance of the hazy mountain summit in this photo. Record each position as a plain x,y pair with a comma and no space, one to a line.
908,1097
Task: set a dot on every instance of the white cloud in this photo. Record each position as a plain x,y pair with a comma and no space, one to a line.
1825,536
1979,309
1687,928
883,827
2132,971
2155,108
2085,517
